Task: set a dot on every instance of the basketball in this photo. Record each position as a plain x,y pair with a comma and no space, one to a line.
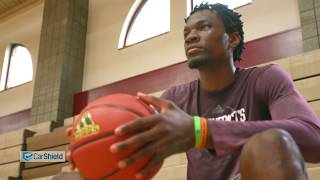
92,134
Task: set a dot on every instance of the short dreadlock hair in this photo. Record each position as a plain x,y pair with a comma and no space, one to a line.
231,21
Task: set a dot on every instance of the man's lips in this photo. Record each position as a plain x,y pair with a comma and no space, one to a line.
194,51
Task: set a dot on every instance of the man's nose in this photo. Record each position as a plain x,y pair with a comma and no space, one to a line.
193,36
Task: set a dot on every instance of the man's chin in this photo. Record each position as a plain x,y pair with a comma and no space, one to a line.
196,63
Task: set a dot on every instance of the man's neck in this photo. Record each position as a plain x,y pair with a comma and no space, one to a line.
216,78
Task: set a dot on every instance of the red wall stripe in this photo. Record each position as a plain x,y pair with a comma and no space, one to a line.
280,45
15,121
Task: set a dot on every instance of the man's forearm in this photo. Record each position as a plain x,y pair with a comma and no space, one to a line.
229,137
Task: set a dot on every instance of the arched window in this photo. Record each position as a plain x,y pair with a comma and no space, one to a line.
231,3
16,67
146,19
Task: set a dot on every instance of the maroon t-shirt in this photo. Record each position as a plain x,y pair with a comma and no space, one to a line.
260,98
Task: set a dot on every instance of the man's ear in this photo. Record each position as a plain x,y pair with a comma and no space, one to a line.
234,39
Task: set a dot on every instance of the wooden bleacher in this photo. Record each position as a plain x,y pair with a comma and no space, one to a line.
12,143
10,146
53,141
304,69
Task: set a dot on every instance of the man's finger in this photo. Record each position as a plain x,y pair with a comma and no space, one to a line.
147,150
137,125
154,162
138,140
152,100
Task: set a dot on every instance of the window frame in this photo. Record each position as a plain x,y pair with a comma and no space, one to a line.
128,24
8,54
132,15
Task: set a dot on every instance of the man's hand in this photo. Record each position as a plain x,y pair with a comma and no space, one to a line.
161,135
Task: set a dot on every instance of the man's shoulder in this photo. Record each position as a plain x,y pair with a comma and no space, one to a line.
261,71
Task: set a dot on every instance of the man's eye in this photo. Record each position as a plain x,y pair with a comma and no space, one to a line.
205,26
185,34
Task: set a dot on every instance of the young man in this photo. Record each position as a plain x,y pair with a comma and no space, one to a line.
256,123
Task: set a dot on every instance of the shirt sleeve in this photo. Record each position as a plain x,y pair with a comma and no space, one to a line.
289,111
168,94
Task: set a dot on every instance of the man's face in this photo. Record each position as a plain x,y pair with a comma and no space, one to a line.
205,39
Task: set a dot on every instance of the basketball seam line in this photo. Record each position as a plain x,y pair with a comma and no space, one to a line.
93,139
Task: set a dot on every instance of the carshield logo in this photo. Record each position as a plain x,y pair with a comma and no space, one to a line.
42,156
27,156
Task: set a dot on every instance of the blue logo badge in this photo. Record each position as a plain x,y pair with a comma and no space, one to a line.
27,156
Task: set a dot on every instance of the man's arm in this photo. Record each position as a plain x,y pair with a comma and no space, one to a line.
289,111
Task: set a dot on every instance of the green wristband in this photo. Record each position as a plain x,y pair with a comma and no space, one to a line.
197,130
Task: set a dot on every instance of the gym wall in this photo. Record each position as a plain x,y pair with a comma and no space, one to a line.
105,64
